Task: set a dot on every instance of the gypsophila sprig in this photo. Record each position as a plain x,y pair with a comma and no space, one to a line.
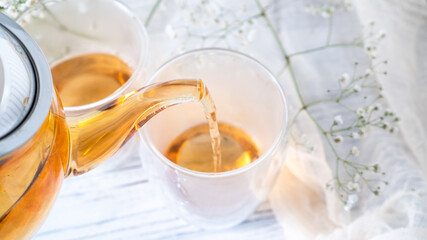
211,24
363,118
13,8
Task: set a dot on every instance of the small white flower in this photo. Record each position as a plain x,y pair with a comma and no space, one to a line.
4,3
381,34
356,178
361,132
353,186
348,5
30,3
326,14
386,125
338,139
171,32
369,109
351,201
354,135
22,7
353,198
338,120
357,88
394,130
357,188
368,72
360,111
377,106
355,151
12,12
344,79
251,35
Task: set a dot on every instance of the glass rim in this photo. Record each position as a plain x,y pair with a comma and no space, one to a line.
279,138
141,31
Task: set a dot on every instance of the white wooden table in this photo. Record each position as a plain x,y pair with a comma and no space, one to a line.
115,201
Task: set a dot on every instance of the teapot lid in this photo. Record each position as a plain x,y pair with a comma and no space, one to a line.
25,86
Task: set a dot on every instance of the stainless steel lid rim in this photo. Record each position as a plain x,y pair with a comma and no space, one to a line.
16,83
43,90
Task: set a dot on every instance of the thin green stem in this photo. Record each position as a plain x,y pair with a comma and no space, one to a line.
320,101
372,123
233,26
315,122
346,107
282,49
338,158
273,30
294,80
282,70
153,10
295,117
351,44
331,21
337,101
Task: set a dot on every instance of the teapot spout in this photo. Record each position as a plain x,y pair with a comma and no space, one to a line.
96,136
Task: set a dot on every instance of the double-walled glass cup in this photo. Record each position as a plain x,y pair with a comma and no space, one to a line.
247,96
66,29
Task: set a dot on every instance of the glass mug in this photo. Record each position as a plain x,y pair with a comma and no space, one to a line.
246,95
40,145
83,27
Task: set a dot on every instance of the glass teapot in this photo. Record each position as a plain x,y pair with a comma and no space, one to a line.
39,147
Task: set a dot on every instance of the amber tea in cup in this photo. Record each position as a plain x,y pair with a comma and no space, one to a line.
192,149
89,78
